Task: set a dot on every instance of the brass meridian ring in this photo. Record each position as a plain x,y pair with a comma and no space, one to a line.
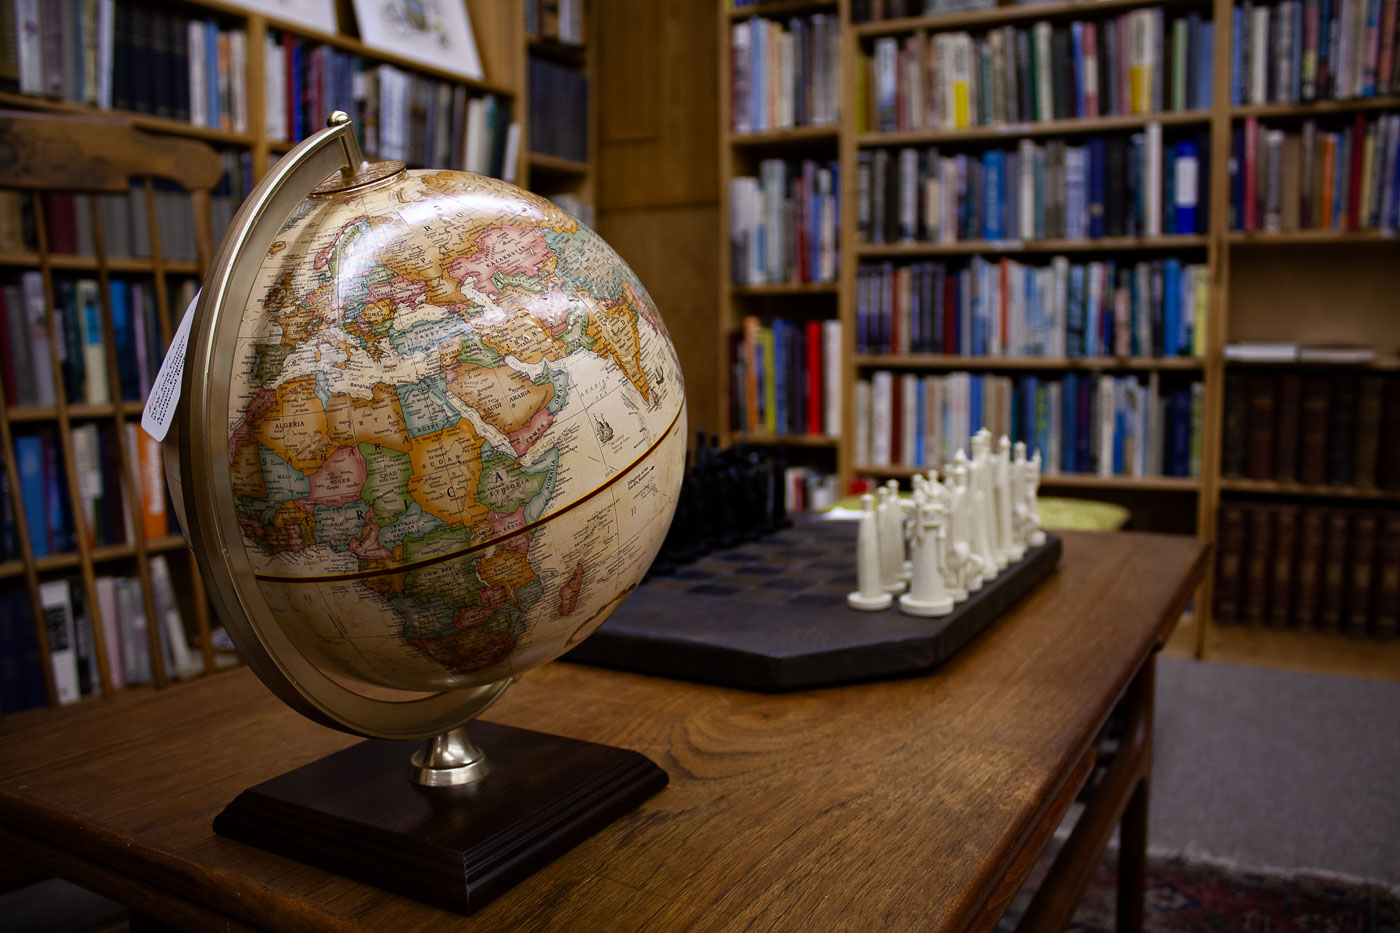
373,174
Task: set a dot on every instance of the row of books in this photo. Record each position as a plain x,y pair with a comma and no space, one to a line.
809,490
1318,568
1306,50
785,76
132,56
1081,423
1317,428
1138,185
68,624
1347,178
78,330
234,185
555,19
1002,307
785,377
105,518
784,225
1138,62
558,111
863,11
124,219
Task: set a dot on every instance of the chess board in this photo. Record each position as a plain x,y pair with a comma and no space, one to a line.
771,615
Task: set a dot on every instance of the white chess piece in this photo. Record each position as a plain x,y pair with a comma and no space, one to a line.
1034,537
982,505
889,521
1018,503
965,563
869,596
927,595
1004,501
897,532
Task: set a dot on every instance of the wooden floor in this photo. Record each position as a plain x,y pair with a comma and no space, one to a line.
1310,652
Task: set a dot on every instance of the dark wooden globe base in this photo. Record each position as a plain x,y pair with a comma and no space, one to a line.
459,847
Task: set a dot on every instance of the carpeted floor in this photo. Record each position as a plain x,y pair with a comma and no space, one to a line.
1275,769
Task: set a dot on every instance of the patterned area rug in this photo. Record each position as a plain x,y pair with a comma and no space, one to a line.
1185,896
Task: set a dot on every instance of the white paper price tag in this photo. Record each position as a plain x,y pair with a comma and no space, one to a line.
165,391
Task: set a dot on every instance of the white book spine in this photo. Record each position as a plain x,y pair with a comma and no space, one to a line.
62,638
275,89
512,157
238,68
183,662
1152,180
862,421
199,94
1259,56
111,630
909,416
88,467
831,378
1044,83
881,425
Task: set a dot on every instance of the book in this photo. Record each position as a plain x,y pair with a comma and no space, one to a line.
1229,562
21,667
61,634
1285,552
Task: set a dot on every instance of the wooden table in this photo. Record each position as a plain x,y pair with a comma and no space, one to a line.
916,804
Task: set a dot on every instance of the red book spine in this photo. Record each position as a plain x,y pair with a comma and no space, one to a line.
897,421
1251,191
1358,152
61,214
1387,51
815,392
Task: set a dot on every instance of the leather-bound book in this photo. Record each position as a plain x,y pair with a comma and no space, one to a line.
1288,411
1317,394
1369,406
1388,460
1259,456
1229,562
1285,542
1333,604
1341,432
1258,580
1386,611
1236,424
1363,555
1312,545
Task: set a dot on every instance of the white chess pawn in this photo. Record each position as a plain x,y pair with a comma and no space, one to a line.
1004,501
890,523
1035,537
927,595
897,532
1018,503
978,482
869,596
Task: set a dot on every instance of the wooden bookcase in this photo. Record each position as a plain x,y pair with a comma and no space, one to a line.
504,47
552,175
1261,286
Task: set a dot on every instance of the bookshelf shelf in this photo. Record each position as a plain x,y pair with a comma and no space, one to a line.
1310,237
992,363
1097,245
1014,131
782,8
1382,364
1275,488
1316,108
565,53
539,162
786,288
788,440
30,260
142,121
1066,480
104,554
790,137
1013,13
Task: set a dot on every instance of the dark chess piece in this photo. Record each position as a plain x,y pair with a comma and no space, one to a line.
726,496
756,490
778,516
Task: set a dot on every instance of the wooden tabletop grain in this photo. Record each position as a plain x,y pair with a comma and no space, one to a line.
895,805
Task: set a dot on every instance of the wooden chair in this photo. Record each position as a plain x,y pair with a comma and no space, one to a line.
42,152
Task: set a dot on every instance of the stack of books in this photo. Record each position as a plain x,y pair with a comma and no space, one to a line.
1316,428
1057,308
1315,568
784,224
786,378
558,111
132,56
1138,185
785,77
1306,50
1139,62
1346,178
1088,424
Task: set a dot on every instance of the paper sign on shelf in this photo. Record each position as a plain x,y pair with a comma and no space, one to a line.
165,391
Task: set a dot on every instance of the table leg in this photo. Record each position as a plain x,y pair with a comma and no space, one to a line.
1132,829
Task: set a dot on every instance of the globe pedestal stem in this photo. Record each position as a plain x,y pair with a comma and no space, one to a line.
448,759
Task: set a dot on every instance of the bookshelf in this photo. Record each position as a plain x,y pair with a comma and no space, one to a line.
27,573
560,90
1306,283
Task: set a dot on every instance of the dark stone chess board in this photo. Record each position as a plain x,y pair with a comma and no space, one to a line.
772,616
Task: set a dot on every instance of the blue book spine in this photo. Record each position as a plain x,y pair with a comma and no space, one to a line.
1368,72
1295,93
1171,308
1069,424
962,197
835,198
780,377
1120,429
974,407
920,420
1180,426
1237,40
1188,173
1074,314
1325,76
1084,426
29,459
993,164
21,670
1205,65
1076,35
57,509
1098,182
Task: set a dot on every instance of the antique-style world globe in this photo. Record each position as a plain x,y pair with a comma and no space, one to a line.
431,433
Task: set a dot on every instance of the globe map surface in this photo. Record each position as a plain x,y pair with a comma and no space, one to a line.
456,431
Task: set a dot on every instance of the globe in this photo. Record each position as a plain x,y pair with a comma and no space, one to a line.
434,436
